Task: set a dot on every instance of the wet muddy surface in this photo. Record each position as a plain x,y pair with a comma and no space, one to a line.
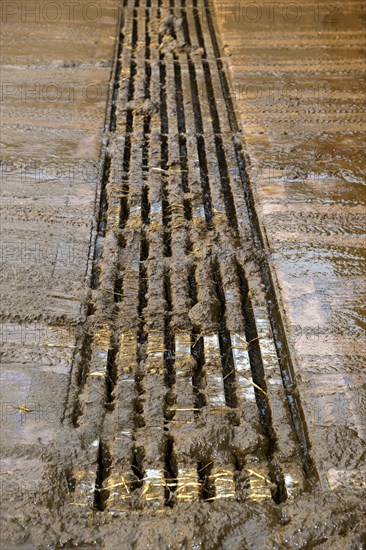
155,393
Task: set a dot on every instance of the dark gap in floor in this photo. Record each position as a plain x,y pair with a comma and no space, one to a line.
197,350
204,469
103,472
171,471
227,360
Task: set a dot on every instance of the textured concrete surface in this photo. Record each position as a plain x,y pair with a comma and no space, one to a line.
297,74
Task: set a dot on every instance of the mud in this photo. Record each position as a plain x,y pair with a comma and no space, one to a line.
158,405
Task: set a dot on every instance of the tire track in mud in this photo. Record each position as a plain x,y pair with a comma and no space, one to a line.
178,392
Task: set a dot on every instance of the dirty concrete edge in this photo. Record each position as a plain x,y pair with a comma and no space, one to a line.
104,144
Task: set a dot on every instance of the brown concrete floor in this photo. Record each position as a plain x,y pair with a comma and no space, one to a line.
297,75
55,85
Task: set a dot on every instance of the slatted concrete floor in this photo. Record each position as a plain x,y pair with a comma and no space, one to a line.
177,392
